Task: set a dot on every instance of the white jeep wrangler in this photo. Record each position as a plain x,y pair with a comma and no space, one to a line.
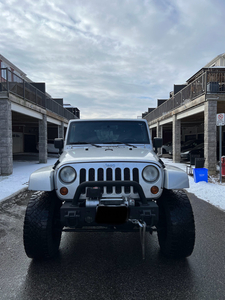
108,178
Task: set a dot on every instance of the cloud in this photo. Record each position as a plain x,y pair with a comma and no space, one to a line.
111,58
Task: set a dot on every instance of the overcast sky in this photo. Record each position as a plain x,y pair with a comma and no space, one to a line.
111,58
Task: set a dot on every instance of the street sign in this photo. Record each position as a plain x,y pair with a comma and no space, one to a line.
220,119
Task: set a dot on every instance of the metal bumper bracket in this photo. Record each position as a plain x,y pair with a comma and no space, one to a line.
142,230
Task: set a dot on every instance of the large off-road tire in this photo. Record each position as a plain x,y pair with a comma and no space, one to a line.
176,227
42,230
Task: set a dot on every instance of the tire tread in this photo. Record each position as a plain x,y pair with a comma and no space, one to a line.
176,234
38,226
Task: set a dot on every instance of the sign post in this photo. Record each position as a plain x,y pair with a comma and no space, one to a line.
220,121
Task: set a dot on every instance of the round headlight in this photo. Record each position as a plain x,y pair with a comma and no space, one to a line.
67,174
150,173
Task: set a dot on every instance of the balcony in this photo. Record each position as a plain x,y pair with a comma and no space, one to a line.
206,81
14,84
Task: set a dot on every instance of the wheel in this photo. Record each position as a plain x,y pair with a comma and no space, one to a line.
42,230
176,227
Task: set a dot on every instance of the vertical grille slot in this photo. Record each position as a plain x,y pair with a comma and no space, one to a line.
135,177
127,177
91,174
118,178
109,178
82,178
100,177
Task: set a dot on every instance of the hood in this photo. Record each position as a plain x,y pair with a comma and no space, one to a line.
107,153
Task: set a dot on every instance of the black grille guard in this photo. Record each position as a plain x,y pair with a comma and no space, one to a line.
108,184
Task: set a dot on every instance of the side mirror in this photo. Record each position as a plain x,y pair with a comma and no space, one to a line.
157,143
59,143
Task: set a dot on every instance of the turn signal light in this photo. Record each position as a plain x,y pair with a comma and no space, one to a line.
154,189
63,191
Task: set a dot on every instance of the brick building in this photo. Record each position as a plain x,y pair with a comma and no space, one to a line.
190,112
29,116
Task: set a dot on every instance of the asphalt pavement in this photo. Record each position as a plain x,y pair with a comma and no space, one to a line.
109,265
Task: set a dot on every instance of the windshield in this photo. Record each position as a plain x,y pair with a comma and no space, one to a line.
106,132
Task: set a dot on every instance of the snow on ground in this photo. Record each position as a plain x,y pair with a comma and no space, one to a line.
213,193
11,184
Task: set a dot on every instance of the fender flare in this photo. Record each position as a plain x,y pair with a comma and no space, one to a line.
42,179
175,178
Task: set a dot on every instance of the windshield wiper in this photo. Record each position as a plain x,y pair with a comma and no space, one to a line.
80,143
121,143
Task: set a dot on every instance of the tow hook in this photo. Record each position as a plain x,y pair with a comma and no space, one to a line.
142,230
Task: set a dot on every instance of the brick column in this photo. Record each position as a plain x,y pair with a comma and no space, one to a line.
210,136
176,139
6,155
150,132
61,130
159,133
43,140
150,129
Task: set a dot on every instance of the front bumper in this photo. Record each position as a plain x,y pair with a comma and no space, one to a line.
120,216
108,212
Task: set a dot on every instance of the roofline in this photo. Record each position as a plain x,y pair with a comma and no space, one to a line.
207,66
12,65
201,71
214,60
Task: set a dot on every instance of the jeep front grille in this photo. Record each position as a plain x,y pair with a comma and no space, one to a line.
111,174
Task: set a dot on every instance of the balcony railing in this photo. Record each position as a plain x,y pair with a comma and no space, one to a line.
14,84
210,82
